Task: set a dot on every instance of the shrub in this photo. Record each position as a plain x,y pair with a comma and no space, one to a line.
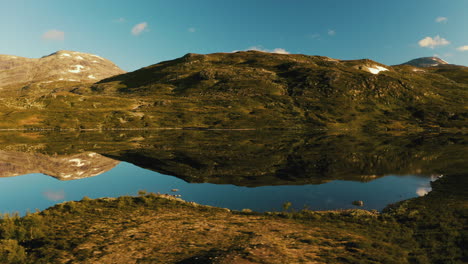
11,252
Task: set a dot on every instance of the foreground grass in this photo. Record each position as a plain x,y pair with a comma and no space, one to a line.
155,228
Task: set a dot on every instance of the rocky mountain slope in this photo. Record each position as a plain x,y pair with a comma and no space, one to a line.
62,68
249,90
257,89
426,62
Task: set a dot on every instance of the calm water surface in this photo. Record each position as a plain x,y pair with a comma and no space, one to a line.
236,171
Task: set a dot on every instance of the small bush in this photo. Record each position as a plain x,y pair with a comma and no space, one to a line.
11,252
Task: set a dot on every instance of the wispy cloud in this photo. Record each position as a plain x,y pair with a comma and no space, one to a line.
139,28
120,20
54,34
463,48
191,29
314,36
277,50
331,32
429,42
441,19
54,195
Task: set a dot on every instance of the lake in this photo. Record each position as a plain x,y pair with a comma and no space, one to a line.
258,170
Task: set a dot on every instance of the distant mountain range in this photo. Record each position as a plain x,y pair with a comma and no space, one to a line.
250,89
62,68
426,62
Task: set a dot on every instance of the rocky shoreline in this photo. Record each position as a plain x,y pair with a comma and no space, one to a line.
161,228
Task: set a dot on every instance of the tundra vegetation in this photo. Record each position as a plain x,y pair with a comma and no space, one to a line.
247,90
161,228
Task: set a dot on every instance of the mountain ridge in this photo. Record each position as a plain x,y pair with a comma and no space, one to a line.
61,68
249,89
424,62
305,90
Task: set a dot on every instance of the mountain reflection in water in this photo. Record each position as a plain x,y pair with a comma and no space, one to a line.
229,160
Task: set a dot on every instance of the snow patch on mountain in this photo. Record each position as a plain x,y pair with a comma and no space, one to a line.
77,68
426,62
99,57
376,69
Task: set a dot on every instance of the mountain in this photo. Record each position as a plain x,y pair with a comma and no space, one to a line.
62,68
248,90
426,62
257,89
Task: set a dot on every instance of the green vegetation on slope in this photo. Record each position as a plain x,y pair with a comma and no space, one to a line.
305,91
252,90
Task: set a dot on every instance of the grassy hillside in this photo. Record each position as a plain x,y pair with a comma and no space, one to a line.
252,90
302,91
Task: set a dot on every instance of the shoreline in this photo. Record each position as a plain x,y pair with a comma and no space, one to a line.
161,228
445,130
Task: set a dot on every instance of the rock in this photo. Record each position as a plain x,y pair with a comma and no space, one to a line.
358,203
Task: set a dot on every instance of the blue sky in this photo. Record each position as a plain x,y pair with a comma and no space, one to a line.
135,34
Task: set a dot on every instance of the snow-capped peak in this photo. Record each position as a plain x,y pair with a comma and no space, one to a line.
426,62
60,66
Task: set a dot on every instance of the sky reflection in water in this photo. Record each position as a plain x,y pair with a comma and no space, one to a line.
38,191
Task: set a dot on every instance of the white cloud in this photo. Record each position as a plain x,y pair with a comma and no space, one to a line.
54,34
441,19
277,50
314,36
191,29
139,28
331,32
429,42
463,48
